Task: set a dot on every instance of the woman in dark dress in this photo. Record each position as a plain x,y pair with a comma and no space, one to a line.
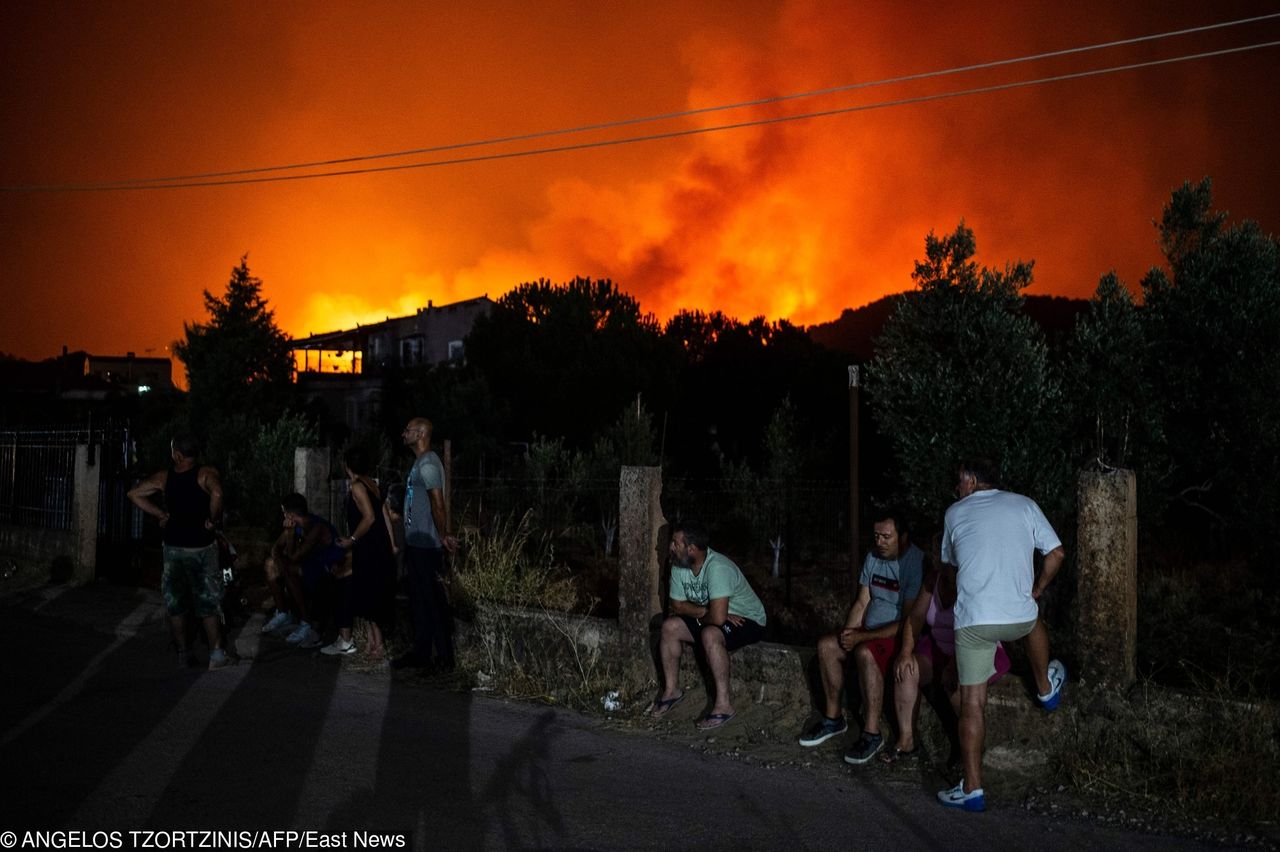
370,591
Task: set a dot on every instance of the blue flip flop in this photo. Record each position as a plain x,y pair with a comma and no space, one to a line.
713,720
662,708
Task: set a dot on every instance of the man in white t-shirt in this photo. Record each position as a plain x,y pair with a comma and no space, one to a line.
989,539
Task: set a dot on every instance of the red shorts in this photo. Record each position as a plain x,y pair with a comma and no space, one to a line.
883,651
927,649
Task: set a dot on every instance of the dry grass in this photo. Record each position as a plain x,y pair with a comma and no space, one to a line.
519,598
1207,756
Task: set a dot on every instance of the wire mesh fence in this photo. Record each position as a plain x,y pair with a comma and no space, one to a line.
803,523
37,477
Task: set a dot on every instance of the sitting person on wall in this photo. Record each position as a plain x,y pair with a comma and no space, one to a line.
712,606
302,557
887,587
926,656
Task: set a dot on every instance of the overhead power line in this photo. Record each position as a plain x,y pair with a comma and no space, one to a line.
628,122
244,176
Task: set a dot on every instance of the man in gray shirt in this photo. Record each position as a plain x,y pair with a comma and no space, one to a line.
890,581
426,538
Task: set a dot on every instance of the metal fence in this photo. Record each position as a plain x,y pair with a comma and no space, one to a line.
808,519
37,477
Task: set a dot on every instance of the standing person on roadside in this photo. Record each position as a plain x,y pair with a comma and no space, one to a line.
192,578
990,537
370,591
426,538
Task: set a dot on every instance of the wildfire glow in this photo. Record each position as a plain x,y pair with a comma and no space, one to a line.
796,220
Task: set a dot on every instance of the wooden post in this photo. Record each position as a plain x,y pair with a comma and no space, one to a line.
854,496
1107,589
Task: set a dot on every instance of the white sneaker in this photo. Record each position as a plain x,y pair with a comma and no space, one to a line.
339,646
301,634
1057,677
279,621
956,797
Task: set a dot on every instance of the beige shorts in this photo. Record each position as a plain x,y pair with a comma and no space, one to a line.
976,649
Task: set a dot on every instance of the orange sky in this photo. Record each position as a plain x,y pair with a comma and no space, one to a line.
798,220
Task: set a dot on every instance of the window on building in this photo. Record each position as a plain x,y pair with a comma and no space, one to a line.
457,352
410,351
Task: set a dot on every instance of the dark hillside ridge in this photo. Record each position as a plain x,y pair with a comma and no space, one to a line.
855,331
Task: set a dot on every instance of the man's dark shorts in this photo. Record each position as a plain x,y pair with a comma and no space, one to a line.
735,636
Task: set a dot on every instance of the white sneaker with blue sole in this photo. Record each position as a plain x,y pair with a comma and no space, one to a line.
956,797
1057,677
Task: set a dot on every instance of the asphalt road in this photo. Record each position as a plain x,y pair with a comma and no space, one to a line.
101,732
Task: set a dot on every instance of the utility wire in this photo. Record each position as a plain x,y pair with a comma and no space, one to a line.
182,183
609,125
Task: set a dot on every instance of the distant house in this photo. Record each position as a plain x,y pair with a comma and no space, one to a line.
345,370
140,374
75,385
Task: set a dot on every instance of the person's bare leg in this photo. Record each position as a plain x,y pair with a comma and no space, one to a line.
374,647
272,569
906,702
1036,644
831,659
178,630
675,634
718,661
872,683
294,580
213,631
973,732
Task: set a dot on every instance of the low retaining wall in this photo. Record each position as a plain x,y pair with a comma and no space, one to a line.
41,555
582,652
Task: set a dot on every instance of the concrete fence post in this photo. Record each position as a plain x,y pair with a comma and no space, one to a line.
640,530
1107,601
311,477
84,508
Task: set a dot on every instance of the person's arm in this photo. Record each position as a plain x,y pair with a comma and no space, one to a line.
391,519
1052,562
141,495
852,633
858,611
912,627
689,608
718,613
441,518
360,495
309,542
212,484
280,548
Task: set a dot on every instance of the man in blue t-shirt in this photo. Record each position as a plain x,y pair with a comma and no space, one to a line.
890,581
426,539
712,605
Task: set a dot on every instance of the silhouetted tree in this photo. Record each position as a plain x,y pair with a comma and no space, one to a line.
239,362
567,358
960,370
1116,420
734,375
1214,319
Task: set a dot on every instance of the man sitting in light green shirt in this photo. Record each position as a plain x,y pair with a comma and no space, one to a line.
712,605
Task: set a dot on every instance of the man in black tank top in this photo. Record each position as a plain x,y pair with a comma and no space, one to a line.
192,579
